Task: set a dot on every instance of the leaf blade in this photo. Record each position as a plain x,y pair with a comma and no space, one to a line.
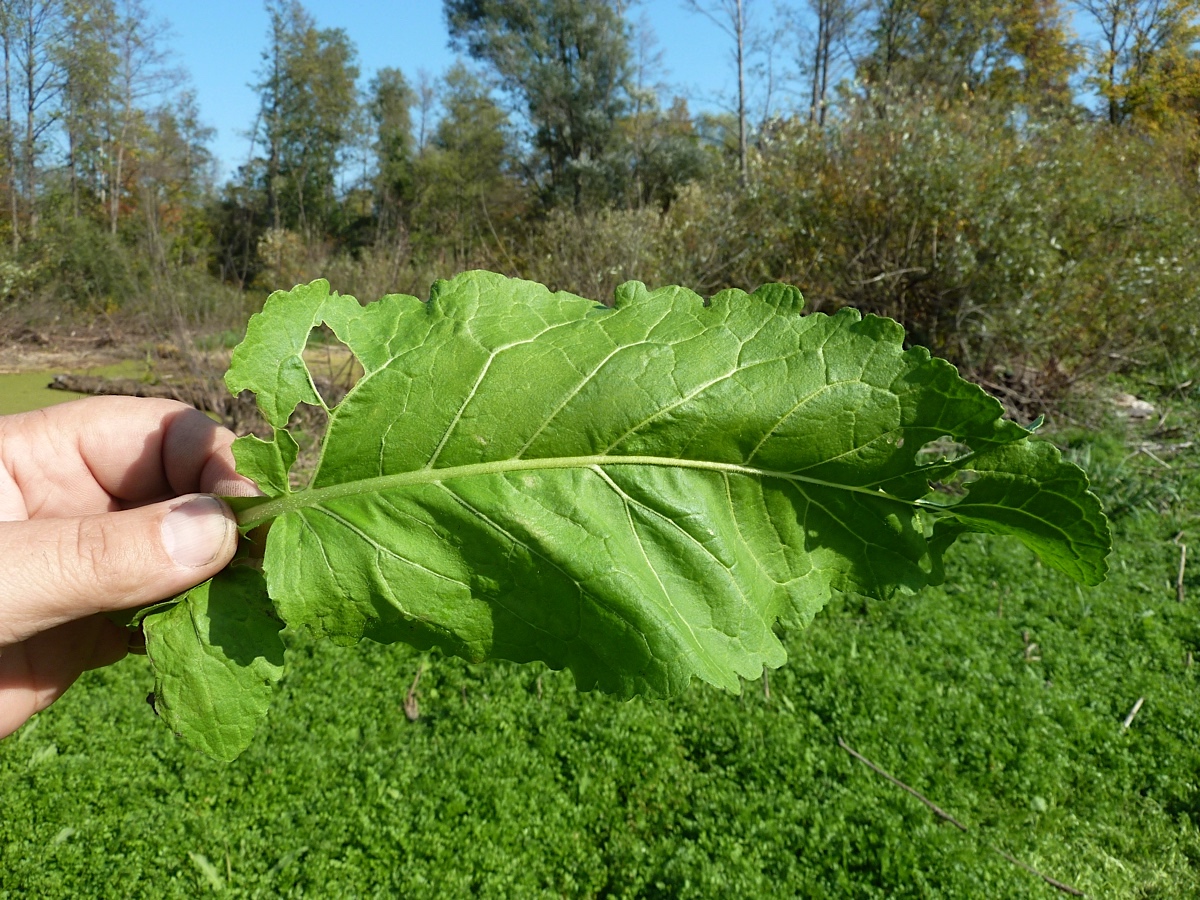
539,410
217,656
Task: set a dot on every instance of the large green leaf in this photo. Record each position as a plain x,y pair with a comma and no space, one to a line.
636,493
217,656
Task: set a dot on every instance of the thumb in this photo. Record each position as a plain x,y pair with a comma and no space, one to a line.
58,570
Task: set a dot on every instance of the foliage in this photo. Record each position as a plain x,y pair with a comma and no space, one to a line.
594,253
385,266
999,695
285,256
88,58
92,266
664,155
465,187
391,97
1013,51
1144,62
568,63
951,179
685,475
1020,253
307,109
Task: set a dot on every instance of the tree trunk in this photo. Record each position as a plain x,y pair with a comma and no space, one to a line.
71,169
826,52
741,72
118,152
114,200
816,108
31,96
275,88
10,147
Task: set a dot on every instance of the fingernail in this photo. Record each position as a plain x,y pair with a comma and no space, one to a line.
137,642
193,533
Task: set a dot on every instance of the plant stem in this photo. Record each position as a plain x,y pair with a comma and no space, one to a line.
252,515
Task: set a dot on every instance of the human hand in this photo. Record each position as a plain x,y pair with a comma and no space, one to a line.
95,517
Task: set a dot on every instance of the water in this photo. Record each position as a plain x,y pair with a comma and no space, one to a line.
25,391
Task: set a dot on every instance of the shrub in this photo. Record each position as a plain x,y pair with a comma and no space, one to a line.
1031,253
590,254
86,265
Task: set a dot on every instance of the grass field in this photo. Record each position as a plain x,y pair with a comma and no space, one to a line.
999,696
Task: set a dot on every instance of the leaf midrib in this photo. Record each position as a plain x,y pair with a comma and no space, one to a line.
257,514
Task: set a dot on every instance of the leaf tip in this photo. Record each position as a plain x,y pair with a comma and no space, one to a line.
629,293
784,297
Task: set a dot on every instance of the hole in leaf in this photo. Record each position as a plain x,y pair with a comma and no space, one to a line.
942,449
955,486
334,369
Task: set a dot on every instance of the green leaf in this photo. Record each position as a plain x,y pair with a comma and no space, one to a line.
289,316
217,656
1024,490
267,462
638,494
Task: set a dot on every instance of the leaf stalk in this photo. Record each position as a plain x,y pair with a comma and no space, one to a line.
253,515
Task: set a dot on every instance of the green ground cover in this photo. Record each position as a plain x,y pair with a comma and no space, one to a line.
25,391
1000,696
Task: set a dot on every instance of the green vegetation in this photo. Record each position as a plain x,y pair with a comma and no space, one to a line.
1021,198
25,391
1000,696
685,475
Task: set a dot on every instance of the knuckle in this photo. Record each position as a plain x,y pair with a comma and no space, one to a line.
99,556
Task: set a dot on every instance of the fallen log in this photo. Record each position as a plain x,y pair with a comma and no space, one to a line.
207,395
126,387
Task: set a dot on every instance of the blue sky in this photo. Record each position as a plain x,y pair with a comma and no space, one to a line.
220,43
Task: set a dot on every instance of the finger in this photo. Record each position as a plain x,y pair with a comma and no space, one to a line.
77,457
36,673
58,570
196,456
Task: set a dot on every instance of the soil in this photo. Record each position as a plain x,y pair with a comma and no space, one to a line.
63,354
42,368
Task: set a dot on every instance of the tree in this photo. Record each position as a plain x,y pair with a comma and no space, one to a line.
308,107
175,170
87,59
661,148
1042,55
389,104
567,64
463,179
1143,57
141,74
427,93
834,21
666,154
309,119
7,40
1011,51
36,28
731,17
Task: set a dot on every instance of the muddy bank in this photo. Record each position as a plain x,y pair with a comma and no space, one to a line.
36,374
22,391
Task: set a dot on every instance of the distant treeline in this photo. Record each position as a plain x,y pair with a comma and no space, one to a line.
1015,180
